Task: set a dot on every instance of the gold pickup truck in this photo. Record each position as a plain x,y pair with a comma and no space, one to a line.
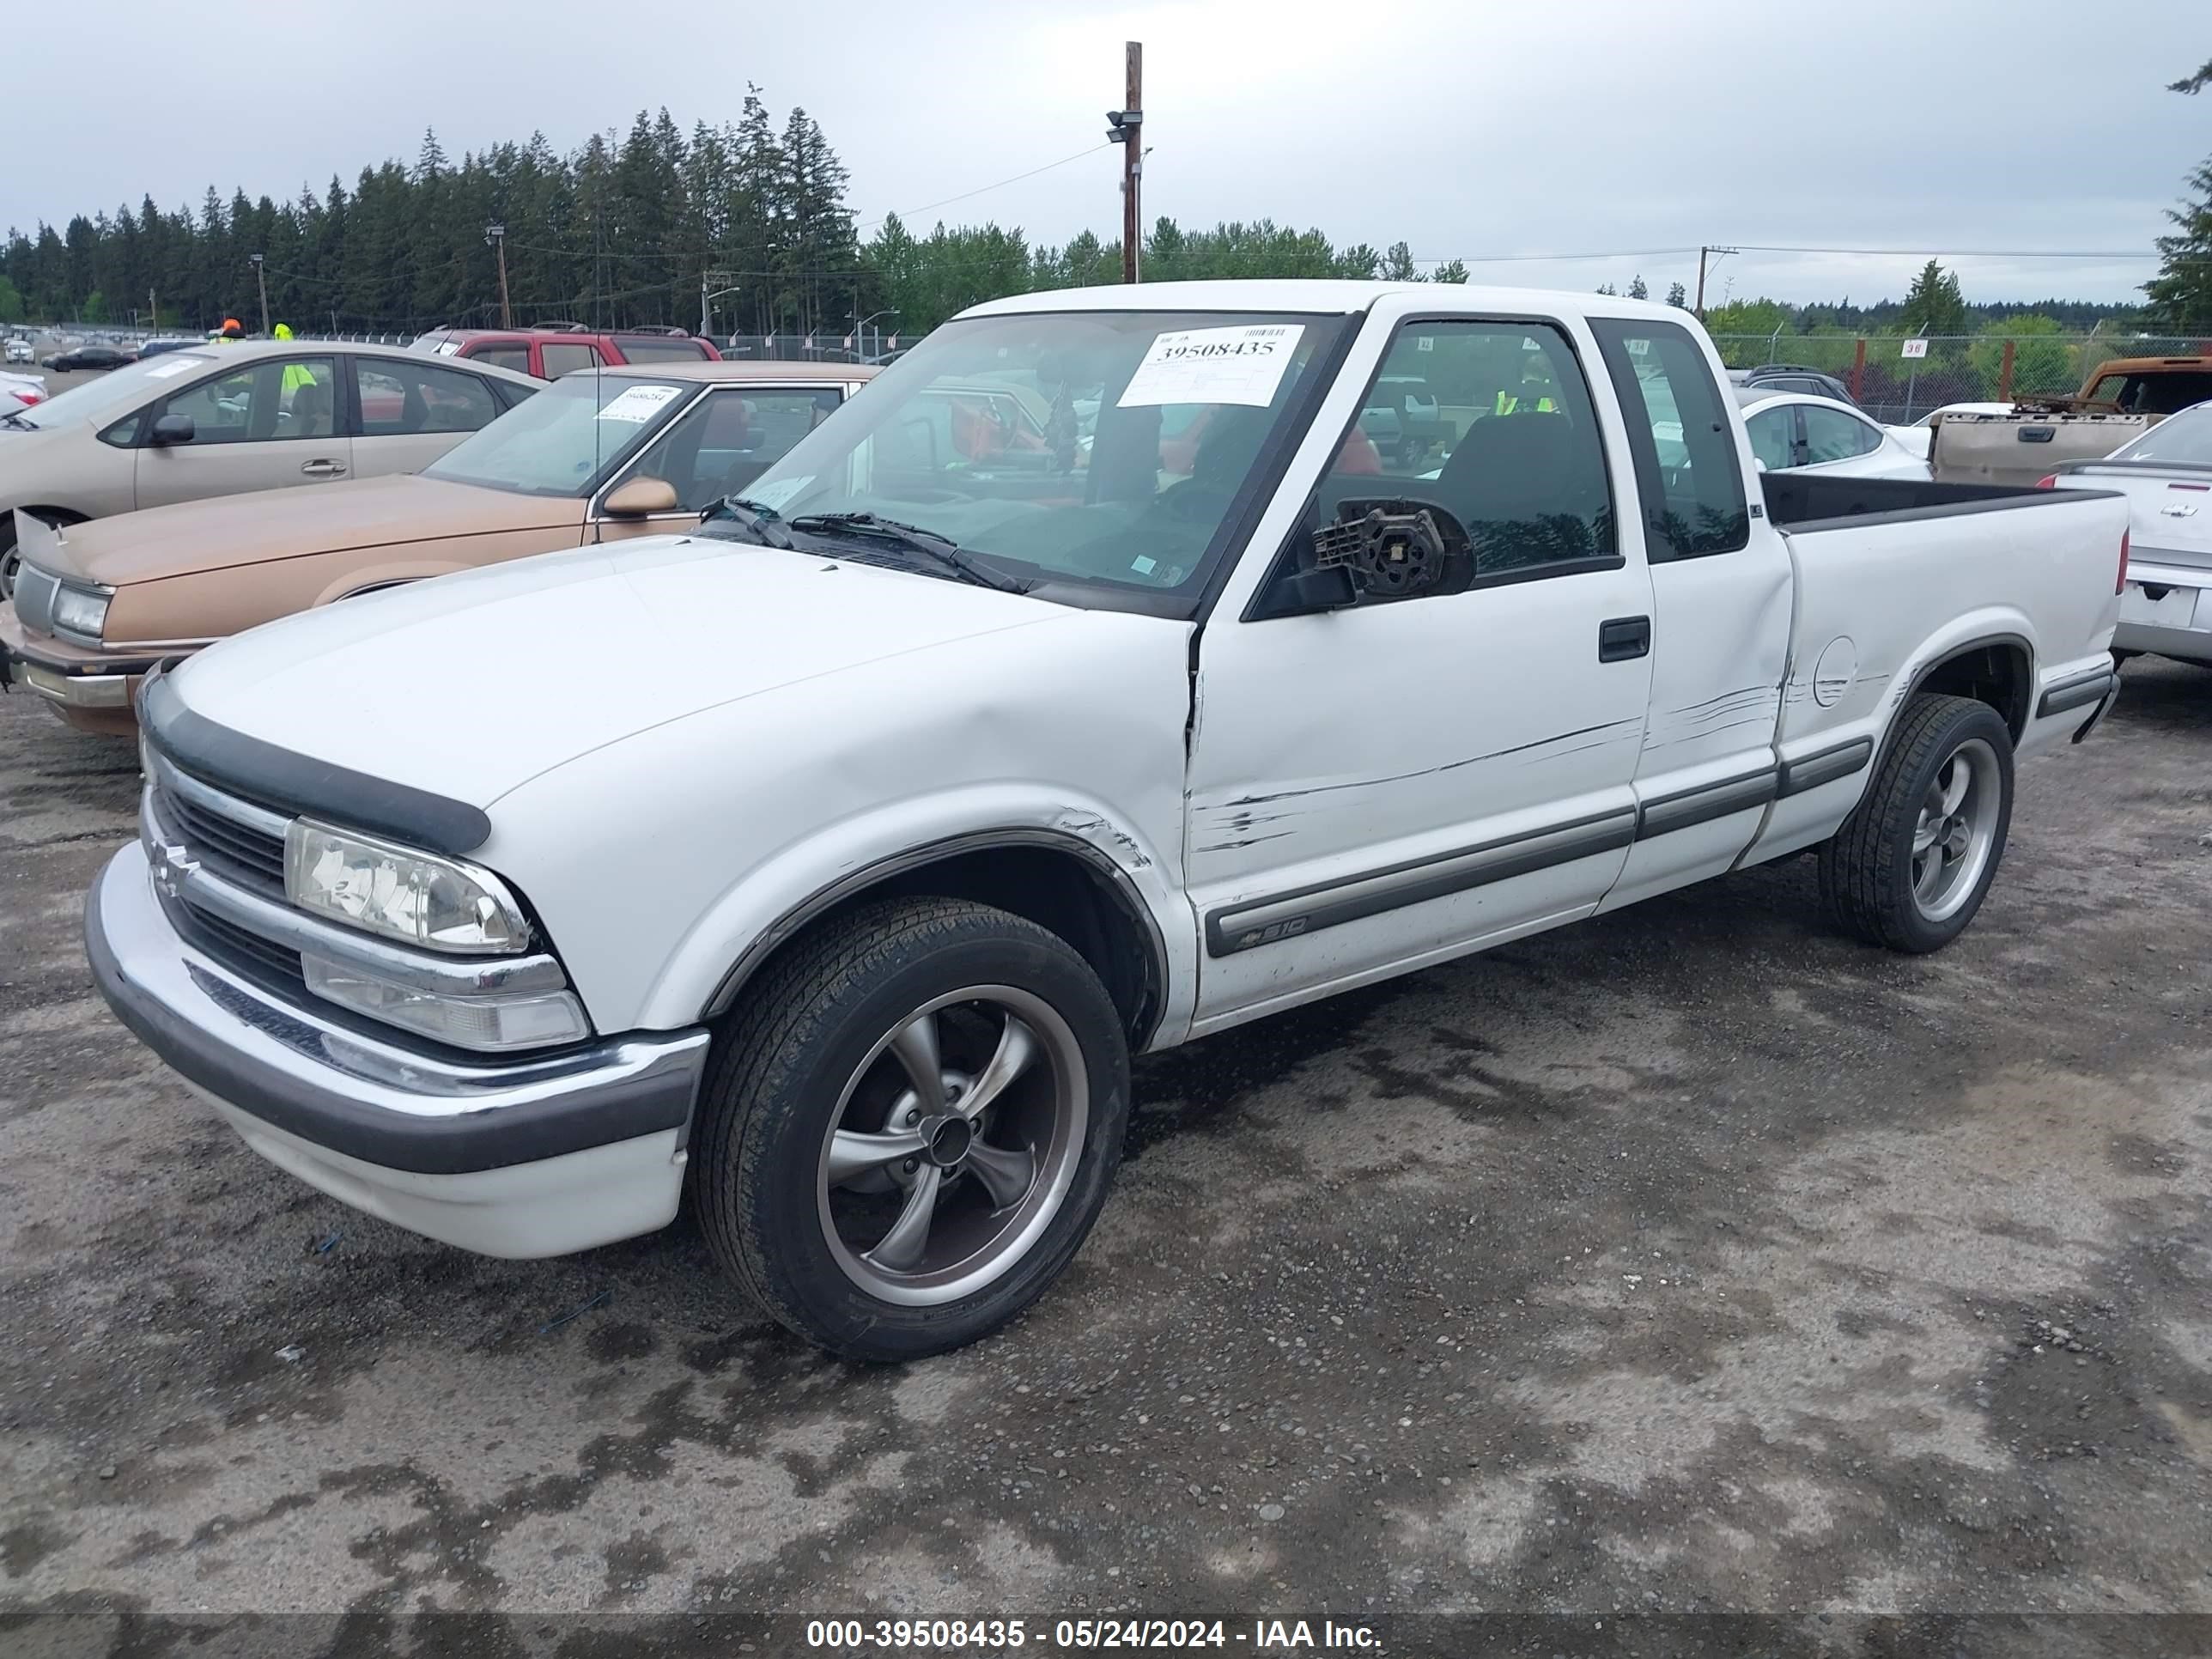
2029,441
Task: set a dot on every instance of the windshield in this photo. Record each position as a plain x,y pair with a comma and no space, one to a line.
564,440
92,402
1085,451
2184,438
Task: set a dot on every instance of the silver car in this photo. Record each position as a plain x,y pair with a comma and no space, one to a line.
219,420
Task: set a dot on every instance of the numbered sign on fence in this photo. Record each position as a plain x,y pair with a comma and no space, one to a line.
1915,348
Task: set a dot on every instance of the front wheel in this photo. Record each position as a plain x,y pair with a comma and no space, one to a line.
911,1126
1909,866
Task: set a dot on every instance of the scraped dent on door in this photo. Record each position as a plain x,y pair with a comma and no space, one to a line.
1614,727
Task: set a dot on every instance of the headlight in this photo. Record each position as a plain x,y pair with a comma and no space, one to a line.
411,897
79,614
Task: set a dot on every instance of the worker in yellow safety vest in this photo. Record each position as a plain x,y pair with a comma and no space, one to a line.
230,333
1535,393
295,374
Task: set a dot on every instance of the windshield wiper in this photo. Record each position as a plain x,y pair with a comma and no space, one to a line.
941,551
762,520
19,423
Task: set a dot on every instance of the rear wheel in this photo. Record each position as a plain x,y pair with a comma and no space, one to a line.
1909,868
912,1125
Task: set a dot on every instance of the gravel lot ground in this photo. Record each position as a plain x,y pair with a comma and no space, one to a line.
1690,1261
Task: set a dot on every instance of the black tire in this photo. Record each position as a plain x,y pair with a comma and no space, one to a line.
1867,867
780,1072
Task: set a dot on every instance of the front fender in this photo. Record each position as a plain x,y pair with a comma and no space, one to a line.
765,904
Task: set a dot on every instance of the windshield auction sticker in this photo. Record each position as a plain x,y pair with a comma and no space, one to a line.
1240,365
638,402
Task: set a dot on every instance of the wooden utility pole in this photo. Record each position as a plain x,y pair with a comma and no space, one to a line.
1702,252
497,235
261,281
1126,127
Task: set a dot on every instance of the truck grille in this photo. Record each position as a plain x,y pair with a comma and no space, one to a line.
237,948
237,850
184,812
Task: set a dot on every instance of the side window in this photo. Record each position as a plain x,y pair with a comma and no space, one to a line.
1773,435
1492,422
731,438
1833,435
516,357
398,399
564,358
663,349
267,402
1683,437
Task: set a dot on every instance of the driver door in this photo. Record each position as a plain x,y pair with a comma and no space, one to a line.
1394,783
263,425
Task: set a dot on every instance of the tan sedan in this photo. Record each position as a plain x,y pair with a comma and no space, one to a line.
220,419
593,456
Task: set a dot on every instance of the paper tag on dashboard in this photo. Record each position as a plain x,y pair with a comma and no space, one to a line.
174,366
1240,365
776,495
638,402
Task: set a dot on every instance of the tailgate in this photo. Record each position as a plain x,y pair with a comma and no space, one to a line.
1878,598
2019,449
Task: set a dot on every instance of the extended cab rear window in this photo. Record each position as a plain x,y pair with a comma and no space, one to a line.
1682,435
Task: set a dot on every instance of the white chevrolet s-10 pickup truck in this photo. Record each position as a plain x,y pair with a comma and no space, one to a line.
1090,684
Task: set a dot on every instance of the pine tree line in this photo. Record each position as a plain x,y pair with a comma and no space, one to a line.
618,233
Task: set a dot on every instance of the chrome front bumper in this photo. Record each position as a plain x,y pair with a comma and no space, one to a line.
516,1158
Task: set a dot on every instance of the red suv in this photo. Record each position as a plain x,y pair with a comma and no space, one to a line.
550,353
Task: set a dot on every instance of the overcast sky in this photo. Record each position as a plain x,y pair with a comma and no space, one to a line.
1467,128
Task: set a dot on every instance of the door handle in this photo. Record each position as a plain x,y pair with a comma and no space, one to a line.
322,469
1624,639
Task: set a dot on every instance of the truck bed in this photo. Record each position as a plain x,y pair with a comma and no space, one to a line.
1798,503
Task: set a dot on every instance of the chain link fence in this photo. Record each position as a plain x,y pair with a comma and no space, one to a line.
1955,369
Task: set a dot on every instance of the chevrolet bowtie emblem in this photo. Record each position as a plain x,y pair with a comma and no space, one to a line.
170,866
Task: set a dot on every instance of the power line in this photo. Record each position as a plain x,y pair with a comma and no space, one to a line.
1961,254
982,189
1543,259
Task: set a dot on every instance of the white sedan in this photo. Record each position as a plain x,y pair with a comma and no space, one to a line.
1920,436
16,391
1794,432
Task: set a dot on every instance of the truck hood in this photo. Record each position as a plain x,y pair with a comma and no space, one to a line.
224,531
469,686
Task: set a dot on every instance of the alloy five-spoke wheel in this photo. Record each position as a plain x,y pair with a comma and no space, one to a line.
1909,867
911,1122
953,1145
1956,828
